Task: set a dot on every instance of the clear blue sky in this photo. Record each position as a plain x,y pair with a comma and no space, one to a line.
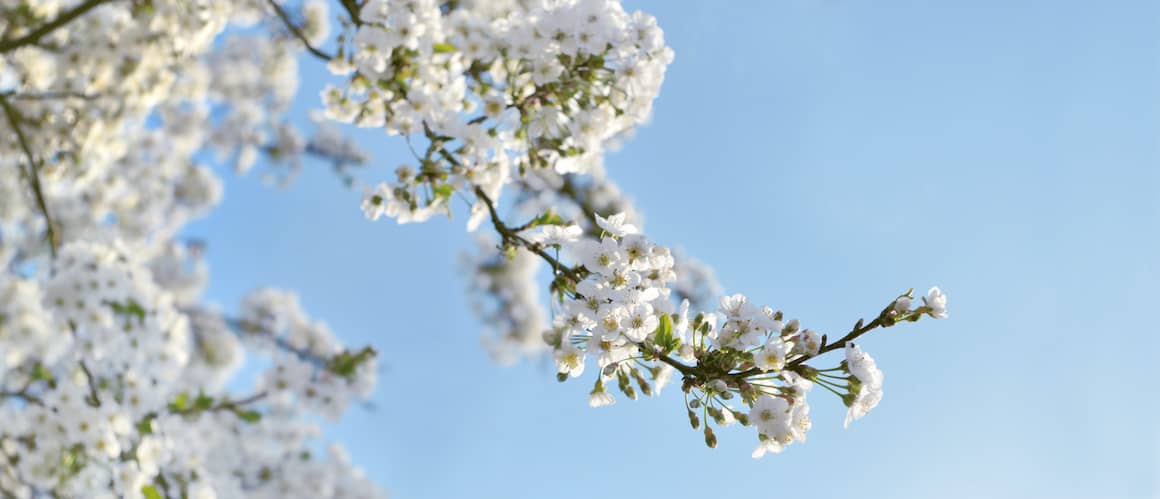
823,155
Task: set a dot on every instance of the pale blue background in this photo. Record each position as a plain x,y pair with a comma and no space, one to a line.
823,155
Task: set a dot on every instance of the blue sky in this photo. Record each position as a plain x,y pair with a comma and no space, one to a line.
823,156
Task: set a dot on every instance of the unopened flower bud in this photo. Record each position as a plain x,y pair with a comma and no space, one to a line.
741,417
630,392
610,369
718,416
694,420
710,437
848,399
645,387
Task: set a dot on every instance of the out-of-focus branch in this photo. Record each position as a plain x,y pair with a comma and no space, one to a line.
33,174
64,18
297,31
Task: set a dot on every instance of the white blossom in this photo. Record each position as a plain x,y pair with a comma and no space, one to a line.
936,301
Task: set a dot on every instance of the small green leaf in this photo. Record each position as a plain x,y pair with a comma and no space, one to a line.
345,363
130,308
664,334
40,373
150,492
181,403
145,425
443,48
202,402
547,218
444,191
249,416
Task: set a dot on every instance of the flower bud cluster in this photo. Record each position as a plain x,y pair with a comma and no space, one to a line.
505,296
546,85
623,313
104,370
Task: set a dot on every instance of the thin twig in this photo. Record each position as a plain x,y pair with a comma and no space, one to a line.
33,175
64,18
22,395
94,401
511,236
294,29
50,95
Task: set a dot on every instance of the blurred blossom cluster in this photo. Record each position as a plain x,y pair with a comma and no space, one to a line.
116,380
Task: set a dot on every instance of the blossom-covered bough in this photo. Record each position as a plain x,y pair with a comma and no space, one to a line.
521,100
117,380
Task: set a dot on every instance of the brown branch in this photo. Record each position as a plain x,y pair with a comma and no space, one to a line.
297,31
33,175
64,18
841,343
51,95
885,319
22,395
92,397
510,236
352,8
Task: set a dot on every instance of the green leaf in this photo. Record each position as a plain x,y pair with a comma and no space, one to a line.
548,218
202,402
664,334
181,403
444,191
130,308
345,363
249,416
150,492
145,425
40,373
443,48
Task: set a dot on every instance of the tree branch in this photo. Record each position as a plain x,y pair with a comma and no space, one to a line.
22,395
64,18
297,32
884,319
511,236
33,174
841,343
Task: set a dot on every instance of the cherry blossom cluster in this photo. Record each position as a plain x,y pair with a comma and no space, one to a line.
508,90
116,379
121,77
106,371
503,285
505,296
622,299
623,313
